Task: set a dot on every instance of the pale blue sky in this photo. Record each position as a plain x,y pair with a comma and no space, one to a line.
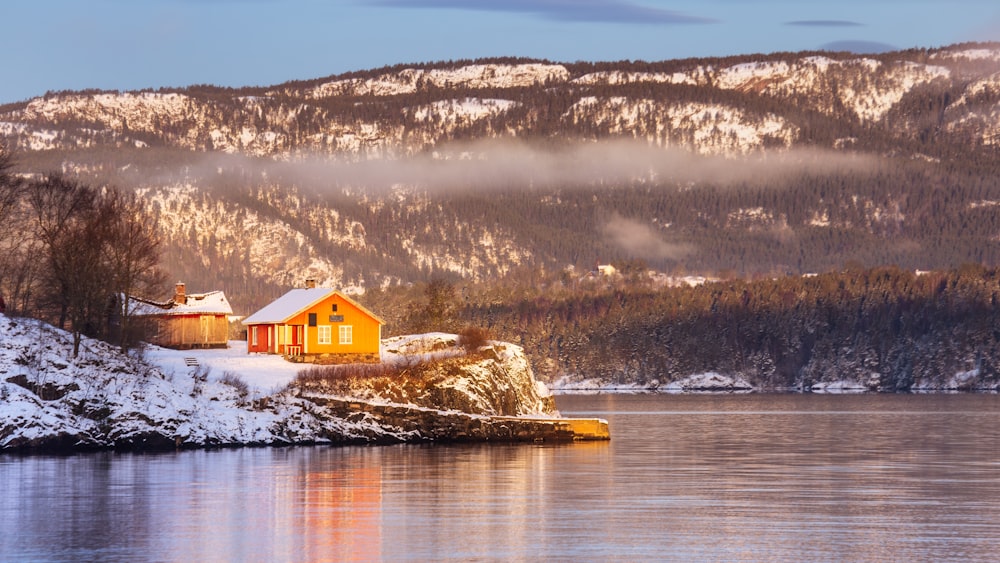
134,44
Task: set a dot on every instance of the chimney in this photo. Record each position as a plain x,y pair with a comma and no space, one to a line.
180,297
311,283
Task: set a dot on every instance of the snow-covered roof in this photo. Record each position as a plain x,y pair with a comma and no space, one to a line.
296,301
211,303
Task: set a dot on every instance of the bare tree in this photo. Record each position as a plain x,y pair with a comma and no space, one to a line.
69,220
132,253
9,185
61,208
88,293
100,248
19,267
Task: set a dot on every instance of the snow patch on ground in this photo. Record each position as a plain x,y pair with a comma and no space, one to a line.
426,347
618,77
710,381
264,373
568,385
960,381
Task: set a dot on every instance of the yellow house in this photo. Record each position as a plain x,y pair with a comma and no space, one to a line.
315,324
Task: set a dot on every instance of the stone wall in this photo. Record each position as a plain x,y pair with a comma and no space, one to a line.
450,426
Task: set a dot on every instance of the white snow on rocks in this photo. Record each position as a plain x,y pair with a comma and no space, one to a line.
460,111
476,76
704,127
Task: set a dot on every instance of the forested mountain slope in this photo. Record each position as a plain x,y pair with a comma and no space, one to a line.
758,164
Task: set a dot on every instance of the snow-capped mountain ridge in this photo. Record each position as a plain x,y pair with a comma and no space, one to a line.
396,112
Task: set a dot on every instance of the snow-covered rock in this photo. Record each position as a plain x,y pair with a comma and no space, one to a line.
435,371
710,381
699,383
839,387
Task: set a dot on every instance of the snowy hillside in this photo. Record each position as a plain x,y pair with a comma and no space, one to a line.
710,128
263,243
51,400
286,237
101,398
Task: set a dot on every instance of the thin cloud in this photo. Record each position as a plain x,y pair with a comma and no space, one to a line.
642,240
860,47
602,11
502,165
825,23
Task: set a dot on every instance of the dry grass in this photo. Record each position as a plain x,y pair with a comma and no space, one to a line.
346,373
401,382
236,382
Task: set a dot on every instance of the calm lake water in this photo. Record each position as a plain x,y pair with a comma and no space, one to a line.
697,477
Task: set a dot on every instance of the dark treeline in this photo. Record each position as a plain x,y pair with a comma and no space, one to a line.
886,329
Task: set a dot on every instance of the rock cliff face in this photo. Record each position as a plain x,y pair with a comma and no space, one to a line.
433,371
52,401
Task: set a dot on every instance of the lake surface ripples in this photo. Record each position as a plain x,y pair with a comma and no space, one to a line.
685,477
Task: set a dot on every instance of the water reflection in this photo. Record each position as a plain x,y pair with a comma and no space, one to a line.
758,478
819,477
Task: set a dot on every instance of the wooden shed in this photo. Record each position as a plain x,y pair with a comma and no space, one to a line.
315,324
196,320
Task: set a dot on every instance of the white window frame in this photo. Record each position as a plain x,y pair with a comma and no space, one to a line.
345,334
253,335
324,334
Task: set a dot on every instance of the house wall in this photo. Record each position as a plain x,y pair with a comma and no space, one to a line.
191,331
367,333
264,333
